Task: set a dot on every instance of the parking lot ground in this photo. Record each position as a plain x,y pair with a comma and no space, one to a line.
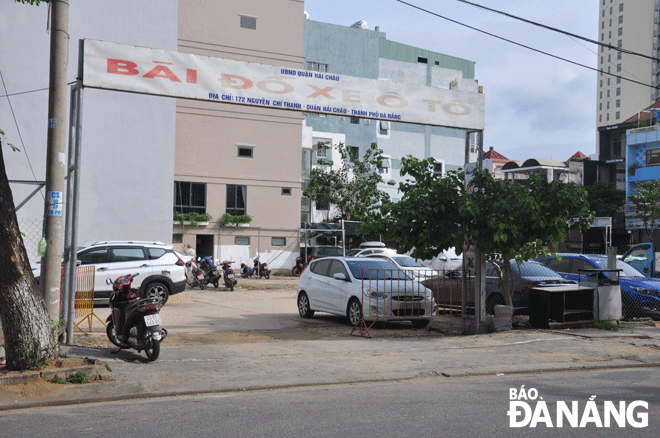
253,338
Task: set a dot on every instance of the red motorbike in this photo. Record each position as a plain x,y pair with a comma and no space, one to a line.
134,322
228,274
300,266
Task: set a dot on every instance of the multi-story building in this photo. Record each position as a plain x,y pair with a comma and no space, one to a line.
630,25
360,52
240,159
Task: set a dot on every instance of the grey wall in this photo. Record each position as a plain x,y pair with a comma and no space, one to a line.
128,140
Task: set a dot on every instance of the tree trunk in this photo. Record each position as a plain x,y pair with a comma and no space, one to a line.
28,333
507,274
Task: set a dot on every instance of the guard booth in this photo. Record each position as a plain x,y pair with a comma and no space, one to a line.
607,296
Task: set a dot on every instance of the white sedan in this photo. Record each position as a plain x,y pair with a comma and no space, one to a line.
363,288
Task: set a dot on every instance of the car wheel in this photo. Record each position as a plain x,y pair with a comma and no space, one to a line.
112,333
354,311
420,323
492,301
158,291
303,306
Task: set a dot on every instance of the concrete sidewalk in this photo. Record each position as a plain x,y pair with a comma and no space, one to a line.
291,351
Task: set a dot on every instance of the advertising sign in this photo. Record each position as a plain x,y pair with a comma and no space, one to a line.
135,69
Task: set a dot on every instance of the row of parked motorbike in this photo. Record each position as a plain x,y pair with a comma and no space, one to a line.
201,272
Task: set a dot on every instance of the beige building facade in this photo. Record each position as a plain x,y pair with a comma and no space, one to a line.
630,25
240,159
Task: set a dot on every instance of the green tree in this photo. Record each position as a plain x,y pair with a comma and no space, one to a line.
28,332
505,220
645,198
352,186
605,199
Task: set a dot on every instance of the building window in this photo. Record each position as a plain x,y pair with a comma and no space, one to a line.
245,151
608,82
437,62
600,106
608,94
608,105
618,68
619,44
248,22
600,118
602,25
618,115
601,83
384,168
177,238
355,120
618,56
618,79
611,9
189,197
653,156
383,127
620,19
608,117
317,66
242,240
422,60
618,103
618,91
286,191
278,241
621,7
620,31
236,199
353,154
602,59
437,168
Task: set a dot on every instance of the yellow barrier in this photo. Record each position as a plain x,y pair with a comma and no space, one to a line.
85,297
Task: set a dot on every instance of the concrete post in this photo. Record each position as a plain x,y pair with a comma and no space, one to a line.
56,157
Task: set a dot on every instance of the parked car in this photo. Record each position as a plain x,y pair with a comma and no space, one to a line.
357,286
161,271
408,264
640,296
367,248
642,258
527,276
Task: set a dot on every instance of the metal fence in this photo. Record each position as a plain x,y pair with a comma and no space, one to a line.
32,230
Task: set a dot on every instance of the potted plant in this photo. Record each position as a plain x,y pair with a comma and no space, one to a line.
192,218
230,220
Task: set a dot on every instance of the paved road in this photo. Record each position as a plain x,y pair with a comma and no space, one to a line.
427,407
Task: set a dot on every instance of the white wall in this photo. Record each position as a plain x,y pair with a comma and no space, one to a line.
127,140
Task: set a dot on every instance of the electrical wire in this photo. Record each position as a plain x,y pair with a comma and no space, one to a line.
607,46
19,131
602,72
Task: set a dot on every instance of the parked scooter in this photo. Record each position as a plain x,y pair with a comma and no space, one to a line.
134,322
261,269
300,266
246,271
211,273
194,275
228,273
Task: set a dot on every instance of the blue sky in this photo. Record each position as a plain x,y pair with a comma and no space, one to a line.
536,106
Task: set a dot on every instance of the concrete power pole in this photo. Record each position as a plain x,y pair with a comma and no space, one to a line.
51,262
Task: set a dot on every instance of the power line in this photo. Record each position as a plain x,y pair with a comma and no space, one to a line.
602,72
30,91
19,130
608,46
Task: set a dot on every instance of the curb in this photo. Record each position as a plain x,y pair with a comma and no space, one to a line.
96,370
137,392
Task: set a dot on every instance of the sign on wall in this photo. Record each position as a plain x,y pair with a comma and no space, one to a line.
164,73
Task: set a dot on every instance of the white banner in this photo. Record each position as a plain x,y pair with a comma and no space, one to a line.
143,70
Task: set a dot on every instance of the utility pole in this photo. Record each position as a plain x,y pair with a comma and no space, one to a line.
51,262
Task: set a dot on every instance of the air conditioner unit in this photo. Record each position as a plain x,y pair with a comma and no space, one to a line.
341,119
367,122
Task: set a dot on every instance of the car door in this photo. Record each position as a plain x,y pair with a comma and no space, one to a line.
100,258
126,260
318,290
562,267
338,290
640,257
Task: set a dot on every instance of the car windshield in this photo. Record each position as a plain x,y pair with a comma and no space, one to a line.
532,269
375,270
628,271
407,262
352,253
331,251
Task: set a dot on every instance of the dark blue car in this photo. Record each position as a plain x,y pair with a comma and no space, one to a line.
640,296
